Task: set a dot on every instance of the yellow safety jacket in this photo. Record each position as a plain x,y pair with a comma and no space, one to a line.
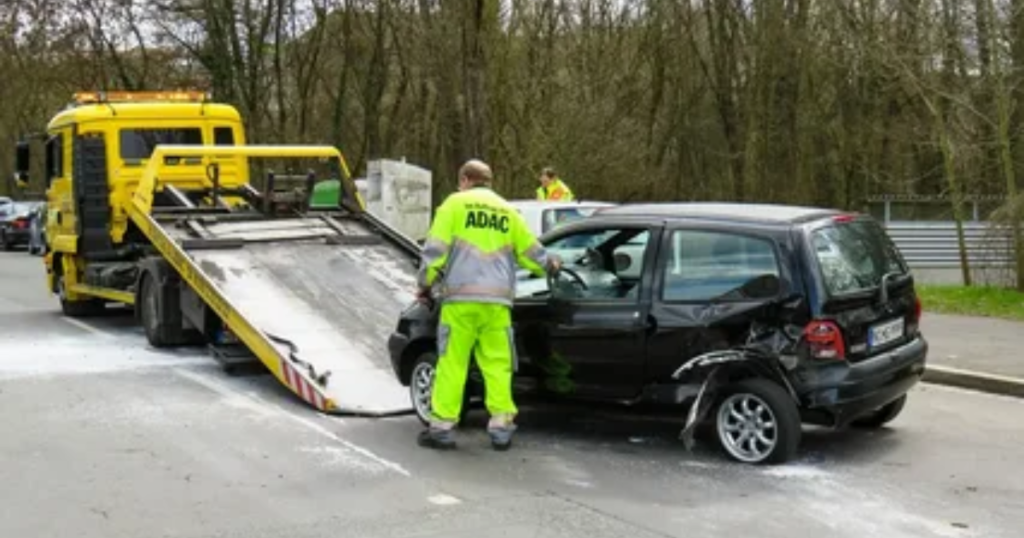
557,191
477,238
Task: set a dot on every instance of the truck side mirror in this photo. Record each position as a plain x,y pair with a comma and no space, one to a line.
21,162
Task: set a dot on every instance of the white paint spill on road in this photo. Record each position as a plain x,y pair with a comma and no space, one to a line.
87,354
821,495
797,471
87,327
442,499
276,410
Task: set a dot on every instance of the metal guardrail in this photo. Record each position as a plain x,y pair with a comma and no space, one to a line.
933,245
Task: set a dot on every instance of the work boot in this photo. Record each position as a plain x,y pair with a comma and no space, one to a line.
437,438
501,429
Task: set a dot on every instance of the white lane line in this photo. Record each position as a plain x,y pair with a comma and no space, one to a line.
272,409
443,500
88,328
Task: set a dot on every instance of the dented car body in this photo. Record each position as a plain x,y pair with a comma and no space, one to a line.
760,317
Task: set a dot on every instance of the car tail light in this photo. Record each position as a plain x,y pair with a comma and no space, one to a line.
847,217
20,223
917,309
825,340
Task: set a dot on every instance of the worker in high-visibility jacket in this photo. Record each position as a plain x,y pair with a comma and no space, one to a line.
475,242
552,188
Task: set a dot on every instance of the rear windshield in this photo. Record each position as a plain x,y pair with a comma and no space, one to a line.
854,256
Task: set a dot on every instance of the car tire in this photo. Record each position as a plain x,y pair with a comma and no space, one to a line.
5,244
421,383
762,408
883,415
77,309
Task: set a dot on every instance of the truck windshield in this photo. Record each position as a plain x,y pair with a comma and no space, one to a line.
139,143
854,256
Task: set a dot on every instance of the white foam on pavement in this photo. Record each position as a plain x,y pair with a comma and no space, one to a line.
39,356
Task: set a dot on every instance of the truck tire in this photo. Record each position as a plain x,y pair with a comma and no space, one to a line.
757,422
149,313
77,309
158,308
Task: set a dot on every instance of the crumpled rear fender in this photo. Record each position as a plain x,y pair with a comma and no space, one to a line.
716,370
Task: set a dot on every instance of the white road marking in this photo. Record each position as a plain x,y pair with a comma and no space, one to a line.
86,327
258,404
442,499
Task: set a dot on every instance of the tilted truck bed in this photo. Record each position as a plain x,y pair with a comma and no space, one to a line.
314,297
334,303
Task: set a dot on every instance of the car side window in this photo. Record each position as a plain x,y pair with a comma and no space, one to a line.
704,265
609,261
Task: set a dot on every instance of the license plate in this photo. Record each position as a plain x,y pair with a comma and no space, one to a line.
884,333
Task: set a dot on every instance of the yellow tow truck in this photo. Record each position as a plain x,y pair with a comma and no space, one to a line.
151,205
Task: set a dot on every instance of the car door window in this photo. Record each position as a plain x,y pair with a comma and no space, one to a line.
609,261
704,265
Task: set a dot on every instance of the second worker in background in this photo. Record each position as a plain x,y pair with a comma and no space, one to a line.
475,243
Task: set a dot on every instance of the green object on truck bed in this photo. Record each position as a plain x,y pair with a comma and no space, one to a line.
326,193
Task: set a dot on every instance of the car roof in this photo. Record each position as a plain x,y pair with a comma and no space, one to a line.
533,204
727,211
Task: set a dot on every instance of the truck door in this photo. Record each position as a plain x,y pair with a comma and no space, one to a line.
590,342
696,267
61,208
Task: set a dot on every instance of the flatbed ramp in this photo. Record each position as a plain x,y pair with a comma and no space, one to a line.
325,292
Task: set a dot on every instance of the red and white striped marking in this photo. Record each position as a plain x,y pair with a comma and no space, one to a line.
301,386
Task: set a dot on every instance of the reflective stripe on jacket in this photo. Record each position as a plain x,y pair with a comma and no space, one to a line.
556,192
477,239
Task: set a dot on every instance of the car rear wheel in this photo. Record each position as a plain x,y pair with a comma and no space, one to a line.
883,415
421,385
5,242
757,422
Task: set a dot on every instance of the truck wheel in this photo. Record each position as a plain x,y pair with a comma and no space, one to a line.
77,309
421,385
757,422
883,415
156,329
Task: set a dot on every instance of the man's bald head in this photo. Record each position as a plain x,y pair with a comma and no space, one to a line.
474,173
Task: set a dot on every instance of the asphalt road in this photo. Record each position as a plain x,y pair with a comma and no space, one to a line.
102,437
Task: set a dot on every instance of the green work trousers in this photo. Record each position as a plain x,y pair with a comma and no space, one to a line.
483,331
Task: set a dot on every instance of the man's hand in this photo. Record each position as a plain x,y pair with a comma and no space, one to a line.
554,264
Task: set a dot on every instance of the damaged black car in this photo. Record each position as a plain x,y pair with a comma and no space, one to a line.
754,318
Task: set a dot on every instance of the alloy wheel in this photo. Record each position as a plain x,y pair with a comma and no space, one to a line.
747,427
420,388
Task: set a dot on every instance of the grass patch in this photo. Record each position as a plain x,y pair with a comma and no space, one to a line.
982,301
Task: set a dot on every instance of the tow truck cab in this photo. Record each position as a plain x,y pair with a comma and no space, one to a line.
95,152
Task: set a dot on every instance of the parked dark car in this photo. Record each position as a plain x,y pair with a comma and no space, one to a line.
15,223
37,230
652,294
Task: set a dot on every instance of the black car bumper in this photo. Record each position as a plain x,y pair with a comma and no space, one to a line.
840,394
16,236
397,344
